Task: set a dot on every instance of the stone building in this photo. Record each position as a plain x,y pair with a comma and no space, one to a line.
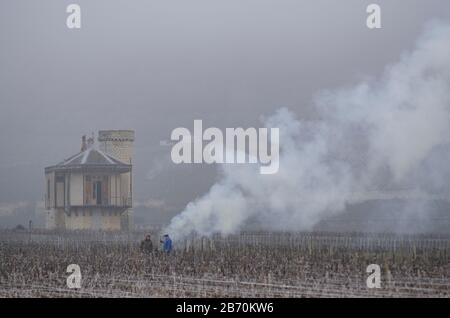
92,190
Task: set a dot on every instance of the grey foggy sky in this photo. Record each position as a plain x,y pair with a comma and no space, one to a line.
153,66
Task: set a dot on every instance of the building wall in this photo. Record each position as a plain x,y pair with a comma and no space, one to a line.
55,219
60,219
84,219
60,188
50,221
119,186
125,186
49,190
113,190
76,189
78,219
111,221
119,144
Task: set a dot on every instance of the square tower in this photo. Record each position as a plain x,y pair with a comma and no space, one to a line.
119,144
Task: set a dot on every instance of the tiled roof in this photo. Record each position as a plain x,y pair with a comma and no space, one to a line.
90,158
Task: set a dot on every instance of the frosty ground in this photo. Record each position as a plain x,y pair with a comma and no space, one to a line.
256,264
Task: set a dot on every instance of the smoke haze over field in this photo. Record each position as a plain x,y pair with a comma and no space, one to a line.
380,134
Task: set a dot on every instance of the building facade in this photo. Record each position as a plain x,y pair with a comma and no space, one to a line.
92,190
119,144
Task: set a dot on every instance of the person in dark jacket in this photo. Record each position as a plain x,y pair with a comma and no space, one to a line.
147,244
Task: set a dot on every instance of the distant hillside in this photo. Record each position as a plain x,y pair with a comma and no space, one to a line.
395,215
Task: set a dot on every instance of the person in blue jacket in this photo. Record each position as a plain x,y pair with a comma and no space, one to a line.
167,243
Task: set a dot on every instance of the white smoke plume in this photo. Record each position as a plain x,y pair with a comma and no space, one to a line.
377,134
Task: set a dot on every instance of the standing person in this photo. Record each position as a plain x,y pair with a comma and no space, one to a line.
147,244
167,243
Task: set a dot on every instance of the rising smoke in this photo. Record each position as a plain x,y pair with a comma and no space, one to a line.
381,134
